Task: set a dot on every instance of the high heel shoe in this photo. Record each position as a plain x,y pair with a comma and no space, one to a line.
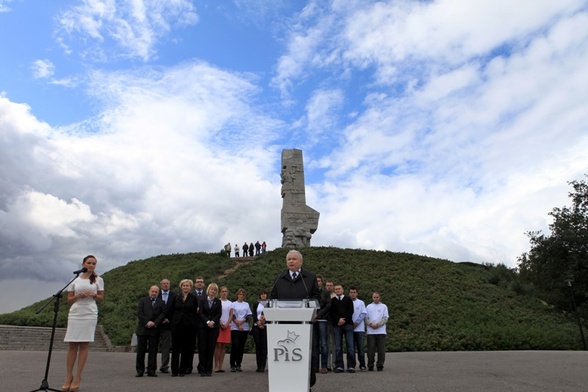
75,384
66,385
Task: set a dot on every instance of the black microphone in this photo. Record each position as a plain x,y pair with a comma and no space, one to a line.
305,287
280,275
80,271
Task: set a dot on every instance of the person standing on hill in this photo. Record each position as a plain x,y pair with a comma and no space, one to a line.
251,249
257,248
245,249
82,295
236,250
376,319
150,312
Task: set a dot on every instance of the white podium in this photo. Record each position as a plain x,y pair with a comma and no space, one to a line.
289,344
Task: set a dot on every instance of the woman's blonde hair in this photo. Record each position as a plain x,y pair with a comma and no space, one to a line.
212,285
186,281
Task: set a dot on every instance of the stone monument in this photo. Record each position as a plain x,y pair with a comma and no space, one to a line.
299,221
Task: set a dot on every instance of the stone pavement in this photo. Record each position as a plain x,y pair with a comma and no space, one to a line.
495,371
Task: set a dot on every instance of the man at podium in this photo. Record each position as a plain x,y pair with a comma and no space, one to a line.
296,284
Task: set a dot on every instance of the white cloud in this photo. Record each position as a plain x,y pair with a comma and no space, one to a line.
43,69
3,5
322,112
171,165
135,26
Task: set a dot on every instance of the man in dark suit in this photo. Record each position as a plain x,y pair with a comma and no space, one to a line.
168,297
200,293
150,311
294,284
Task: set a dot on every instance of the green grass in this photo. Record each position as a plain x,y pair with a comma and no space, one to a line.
434,304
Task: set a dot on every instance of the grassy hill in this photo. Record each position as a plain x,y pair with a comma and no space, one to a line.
434,304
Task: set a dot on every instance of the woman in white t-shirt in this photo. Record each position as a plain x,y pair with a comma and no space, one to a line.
239,330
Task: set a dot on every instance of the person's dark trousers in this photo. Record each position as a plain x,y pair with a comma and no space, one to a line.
260,339
206,344
165,342
376,344
320,344
147,343
331,346
358,339
345,330
238,340
190,355
183,338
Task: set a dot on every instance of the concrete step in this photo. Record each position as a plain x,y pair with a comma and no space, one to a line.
15,337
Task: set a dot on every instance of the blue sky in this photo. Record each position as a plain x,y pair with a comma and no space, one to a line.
133,128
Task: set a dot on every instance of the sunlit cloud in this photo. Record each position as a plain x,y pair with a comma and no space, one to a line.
134,26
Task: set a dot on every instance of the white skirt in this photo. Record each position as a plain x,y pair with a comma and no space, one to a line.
80,330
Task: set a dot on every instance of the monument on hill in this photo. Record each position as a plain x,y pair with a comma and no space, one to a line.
299,221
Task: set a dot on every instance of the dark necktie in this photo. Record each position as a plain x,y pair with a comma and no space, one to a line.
294,275
152,302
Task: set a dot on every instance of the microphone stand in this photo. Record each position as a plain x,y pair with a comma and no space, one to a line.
56,297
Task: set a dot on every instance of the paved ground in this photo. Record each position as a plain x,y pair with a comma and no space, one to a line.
499,371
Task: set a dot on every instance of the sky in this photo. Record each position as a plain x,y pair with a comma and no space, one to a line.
130,129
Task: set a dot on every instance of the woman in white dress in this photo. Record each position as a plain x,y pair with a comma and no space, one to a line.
82,294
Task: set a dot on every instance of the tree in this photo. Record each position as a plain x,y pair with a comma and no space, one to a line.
562,256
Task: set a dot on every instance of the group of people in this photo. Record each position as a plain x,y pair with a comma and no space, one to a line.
206,315
197,314
346,317
248,249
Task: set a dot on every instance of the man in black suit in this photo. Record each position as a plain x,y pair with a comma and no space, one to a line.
168,297
150,311
294,284
200,293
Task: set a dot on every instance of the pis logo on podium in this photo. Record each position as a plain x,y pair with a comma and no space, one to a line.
287,350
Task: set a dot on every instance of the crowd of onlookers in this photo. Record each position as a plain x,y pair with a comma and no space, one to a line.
177,321
249,250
